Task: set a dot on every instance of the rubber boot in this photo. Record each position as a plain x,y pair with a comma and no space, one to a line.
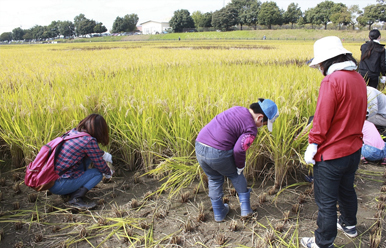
77,202
220,210
245,204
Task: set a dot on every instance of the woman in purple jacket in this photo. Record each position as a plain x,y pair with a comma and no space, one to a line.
221,150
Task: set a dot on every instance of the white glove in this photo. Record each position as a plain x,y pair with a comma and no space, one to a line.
109,176
107,157
383,79
310,153
240,170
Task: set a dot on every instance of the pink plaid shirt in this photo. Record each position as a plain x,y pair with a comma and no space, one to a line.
72,153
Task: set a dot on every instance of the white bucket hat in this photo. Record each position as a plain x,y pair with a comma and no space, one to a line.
327,48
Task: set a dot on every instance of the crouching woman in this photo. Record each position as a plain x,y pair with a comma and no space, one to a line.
75,157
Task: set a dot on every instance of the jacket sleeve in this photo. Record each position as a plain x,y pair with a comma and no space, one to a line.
372,102
383,66
325,111
96,155
241,147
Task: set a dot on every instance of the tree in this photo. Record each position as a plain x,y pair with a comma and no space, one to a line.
202,20
128,23
86,27
341,15
246,11
322,12
197,17
180,20
225,18
38,32
53,29
77,23
249,15
354,12
309,16
6,36
292,14
131,21
301,22
99,28
17,34
118,25
372,13
207,20
270,14
83,25
28,35
66,28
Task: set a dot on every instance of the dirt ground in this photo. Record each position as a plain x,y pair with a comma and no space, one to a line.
123,218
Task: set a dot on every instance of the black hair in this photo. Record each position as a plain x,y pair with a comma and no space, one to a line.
337,59
257,109
373,35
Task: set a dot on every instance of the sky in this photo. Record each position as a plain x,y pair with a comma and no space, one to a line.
28,13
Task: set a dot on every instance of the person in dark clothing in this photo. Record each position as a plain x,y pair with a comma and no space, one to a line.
372,62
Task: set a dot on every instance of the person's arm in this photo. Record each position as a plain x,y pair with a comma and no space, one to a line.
383,66
241,147
96,155
325,111
372,102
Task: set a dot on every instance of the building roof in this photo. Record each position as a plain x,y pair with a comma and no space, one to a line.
154,21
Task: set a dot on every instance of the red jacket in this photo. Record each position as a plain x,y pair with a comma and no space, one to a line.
339,116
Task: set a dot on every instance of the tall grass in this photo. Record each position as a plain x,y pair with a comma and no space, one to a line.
157,96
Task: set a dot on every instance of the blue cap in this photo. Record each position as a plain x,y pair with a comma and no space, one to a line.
270,110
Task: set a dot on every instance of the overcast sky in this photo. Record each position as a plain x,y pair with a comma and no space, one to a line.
28,13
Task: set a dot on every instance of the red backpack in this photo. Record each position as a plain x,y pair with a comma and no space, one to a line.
40,174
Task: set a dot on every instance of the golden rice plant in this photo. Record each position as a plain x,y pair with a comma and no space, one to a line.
157,101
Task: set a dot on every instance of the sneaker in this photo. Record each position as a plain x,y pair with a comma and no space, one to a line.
310,243
364,161
383,161
350,231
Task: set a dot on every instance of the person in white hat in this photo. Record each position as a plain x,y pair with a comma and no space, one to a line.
335,141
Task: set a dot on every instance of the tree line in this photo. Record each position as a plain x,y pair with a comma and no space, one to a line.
236,13
80,26
252,13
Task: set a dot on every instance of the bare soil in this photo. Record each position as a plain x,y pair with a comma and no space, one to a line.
278,220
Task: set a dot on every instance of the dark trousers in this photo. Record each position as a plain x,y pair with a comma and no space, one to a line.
334,182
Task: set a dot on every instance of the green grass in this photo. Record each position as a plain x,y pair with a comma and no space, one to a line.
280,34
283,34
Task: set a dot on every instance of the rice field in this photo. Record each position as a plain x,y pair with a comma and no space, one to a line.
156,96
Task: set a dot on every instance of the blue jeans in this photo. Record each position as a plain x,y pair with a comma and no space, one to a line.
334,182
372,153
217,164
89,179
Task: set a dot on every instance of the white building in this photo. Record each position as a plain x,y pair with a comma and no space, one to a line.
154,27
